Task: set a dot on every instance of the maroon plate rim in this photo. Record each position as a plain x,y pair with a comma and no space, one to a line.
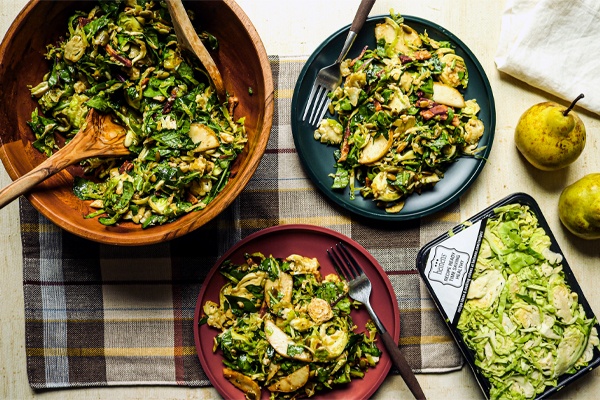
310,241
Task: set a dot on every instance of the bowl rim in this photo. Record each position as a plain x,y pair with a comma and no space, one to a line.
161,233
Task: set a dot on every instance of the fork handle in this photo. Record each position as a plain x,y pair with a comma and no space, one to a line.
397,358
361,15
359,20
400,362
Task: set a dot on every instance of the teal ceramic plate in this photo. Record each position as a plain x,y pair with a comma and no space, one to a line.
317,158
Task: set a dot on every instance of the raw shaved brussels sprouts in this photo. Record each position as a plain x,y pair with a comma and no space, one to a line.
122,58
286,328
399,120
524,324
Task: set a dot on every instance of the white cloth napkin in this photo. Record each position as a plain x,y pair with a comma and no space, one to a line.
553,45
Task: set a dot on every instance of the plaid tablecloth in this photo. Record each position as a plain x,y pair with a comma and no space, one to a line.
99,315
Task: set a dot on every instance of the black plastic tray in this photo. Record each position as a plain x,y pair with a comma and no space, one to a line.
422,258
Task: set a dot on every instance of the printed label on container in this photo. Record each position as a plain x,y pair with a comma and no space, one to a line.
450,265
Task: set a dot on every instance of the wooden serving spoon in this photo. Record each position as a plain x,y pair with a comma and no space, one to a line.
188,39
99,137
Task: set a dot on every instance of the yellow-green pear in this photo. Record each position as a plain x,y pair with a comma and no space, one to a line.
550,136
579,207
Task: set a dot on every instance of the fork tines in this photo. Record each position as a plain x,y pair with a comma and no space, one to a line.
344,263
319,105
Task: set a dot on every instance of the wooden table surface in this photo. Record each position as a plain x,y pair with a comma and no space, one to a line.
296,28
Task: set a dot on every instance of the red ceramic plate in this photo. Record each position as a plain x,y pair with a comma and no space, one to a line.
310,241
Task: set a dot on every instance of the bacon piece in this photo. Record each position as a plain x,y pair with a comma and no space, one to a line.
191,198
422,55
345,145
439,110
405,59
377,105
126,167
263,309
170,101
426,114
455,120
112,52
82,21
362,53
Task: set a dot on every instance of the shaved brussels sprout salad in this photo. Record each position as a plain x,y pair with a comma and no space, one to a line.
286,328
521,319
400,120
122,58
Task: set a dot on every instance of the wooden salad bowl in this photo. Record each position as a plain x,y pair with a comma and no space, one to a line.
242,61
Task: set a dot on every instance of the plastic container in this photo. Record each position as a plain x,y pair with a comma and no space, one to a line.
446,265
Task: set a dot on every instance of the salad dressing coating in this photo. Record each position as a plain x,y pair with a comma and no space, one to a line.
399,118
286,328
122,58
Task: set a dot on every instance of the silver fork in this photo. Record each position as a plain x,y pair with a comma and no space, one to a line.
330,77
360,290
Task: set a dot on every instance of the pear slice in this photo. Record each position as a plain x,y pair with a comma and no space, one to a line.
396,208
284,286
408,39
292,382
203,136
447,95
386,32
243,382
280,342
376,149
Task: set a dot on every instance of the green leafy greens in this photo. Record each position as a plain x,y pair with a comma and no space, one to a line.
122,58
524,324
288,329
399,118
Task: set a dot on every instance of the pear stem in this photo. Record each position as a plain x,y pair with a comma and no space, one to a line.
581,96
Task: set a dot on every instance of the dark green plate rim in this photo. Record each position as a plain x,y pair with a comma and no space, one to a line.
317,158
